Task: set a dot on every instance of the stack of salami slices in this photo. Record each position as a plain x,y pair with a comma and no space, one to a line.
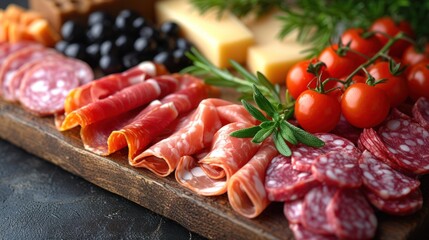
331,192
39,77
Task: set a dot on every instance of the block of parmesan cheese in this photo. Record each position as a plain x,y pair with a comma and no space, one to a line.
219,39
270,55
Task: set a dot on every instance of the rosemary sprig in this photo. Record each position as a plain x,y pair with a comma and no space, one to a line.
267,98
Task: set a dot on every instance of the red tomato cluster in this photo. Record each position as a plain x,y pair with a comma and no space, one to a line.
363,104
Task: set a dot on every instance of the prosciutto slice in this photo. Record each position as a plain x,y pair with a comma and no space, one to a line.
163,157
109,85
210,175
246,191
146,127
128,99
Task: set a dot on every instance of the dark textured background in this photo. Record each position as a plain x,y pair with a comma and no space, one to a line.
41,201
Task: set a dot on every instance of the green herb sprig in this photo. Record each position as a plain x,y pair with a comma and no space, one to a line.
267,98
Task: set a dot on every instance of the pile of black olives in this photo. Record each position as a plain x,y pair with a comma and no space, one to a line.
115,44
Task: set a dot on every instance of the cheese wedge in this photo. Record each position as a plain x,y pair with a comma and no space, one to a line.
218,38
270,55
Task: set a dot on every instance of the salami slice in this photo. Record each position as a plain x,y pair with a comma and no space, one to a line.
303,156
400,206
314,208
406,142
293,210
45,87
421,112
347,131
338,168
302,233
383,180
351,216
283,183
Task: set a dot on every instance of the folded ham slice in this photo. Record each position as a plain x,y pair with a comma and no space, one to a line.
123,101
209,176
246,191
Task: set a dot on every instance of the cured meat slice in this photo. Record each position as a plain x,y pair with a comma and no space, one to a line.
129,98
338,168
210,175
283,183
163,157
302,233
8,49
235,113
383,180
293,210
421,112
146,127
346,130
406,142
351,216
45,87
14,61
314,207
246,191
11,92
109,85
399,206
303,156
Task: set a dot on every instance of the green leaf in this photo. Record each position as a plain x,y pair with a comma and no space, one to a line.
305,137
281,145
254,111
263,102
267,84
267,124
262,134
242,71
287,133
214,81
246,132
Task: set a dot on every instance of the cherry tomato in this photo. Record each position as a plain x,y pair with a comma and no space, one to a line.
418,80
387,26
338,66
364,106
411,56
367,46
395,87
317,112
298,79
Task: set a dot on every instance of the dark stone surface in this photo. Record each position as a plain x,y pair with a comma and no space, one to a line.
39,200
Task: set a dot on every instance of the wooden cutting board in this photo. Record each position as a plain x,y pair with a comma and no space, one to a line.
211,217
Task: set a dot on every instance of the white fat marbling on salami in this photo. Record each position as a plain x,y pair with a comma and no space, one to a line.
405,205
421,112
302,233
383,180
283,183
351,215
338,168
293,210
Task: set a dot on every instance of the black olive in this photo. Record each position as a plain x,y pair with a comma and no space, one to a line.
181,59
145,46
125,43
183,43
149,33
99,32
132,59
73,31
139,23
61,46
167,59
125,19
76,50
166,44
99,17
108,47
93,53
170,29
110,64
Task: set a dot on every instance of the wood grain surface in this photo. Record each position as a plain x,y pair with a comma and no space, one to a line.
211,217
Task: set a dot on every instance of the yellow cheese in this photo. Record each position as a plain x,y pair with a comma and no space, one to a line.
270,55
219,39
